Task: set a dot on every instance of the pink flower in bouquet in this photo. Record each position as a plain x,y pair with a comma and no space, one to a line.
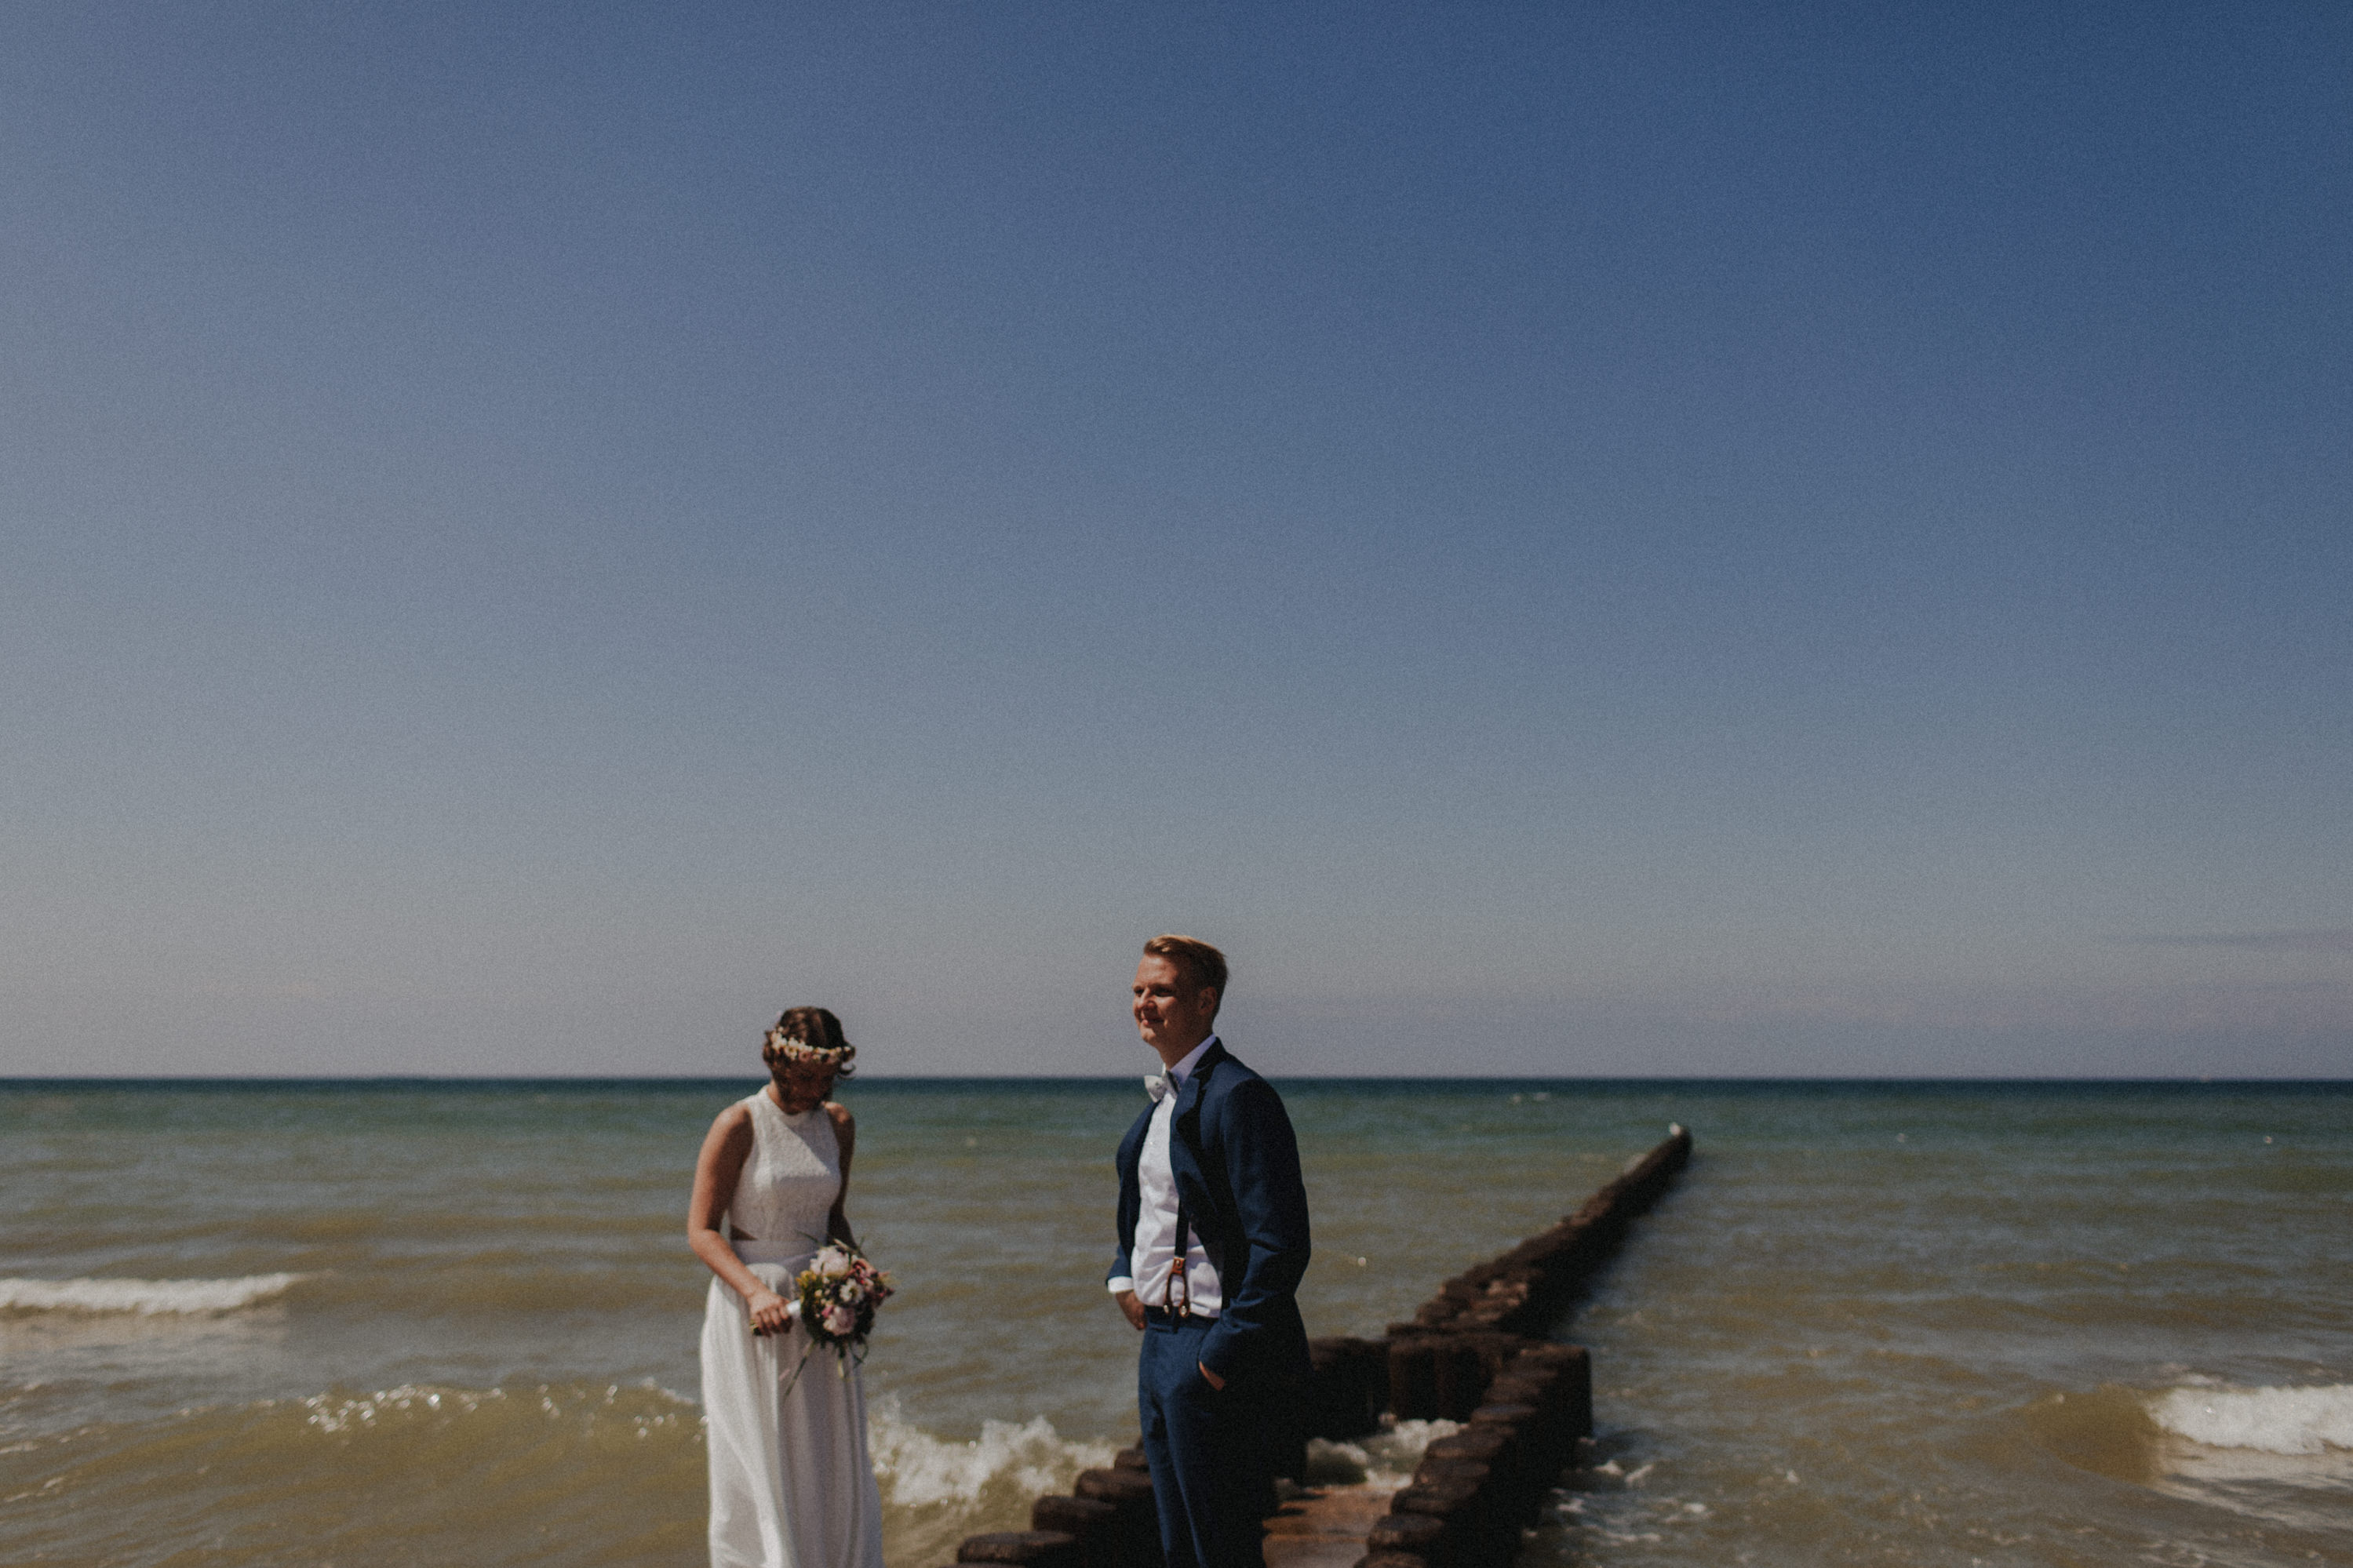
840,1319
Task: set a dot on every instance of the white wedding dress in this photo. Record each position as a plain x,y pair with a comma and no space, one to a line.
791,1483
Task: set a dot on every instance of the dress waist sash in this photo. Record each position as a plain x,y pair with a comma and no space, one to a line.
792,1253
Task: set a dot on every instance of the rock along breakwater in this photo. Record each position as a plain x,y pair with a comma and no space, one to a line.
1477,1353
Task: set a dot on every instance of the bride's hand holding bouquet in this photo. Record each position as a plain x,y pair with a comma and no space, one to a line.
770,1313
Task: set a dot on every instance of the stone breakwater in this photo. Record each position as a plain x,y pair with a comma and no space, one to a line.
1476,1354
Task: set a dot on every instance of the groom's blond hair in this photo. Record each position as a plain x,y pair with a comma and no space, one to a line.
1196,961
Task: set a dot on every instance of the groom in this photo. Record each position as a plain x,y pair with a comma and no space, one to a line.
1211,1173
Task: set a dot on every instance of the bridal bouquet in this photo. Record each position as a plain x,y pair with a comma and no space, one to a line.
838,1293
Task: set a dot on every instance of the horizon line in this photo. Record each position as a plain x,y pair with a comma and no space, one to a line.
119,1080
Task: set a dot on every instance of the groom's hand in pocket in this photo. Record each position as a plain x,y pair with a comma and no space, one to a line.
1131,1308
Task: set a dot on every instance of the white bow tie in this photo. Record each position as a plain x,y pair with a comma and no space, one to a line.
1159,1086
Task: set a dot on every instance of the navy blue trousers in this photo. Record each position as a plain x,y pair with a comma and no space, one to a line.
1210,1450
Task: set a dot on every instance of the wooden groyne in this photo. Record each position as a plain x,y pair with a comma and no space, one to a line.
1475,1353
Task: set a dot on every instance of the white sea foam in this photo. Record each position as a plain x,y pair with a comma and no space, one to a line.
1386,1458
646,1407
148,1298
916,1469
2273,1420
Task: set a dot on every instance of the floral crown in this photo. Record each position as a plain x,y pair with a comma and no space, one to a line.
793,1050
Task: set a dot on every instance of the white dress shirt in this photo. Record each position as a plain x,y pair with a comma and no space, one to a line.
1152,1251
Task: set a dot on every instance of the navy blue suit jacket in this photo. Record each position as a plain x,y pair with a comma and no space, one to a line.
1237,1166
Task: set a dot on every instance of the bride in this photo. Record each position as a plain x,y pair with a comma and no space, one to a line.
791,1484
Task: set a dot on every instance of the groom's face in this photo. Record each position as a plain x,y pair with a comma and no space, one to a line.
1171,1013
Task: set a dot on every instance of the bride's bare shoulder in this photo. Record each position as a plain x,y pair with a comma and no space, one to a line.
842,1120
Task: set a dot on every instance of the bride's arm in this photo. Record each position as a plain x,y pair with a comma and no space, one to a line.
716,1171
845,1133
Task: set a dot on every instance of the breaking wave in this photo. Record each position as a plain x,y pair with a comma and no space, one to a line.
148,1298
1386,1458
936,1490
917,1469
2298,1421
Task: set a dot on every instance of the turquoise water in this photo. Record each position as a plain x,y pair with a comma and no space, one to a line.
284,1322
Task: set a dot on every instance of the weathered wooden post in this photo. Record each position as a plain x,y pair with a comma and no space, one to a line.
1413,1378
1093,1523
1137,1536
1026,1548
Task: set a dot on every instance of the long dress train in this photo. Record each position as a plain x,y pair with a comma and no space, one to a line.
792,1485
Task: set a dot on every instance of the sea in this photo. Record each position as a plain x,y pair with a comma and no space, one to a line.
454,1322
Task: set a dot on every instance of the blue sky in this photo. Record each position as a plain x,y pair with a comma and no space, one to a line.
1570,539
